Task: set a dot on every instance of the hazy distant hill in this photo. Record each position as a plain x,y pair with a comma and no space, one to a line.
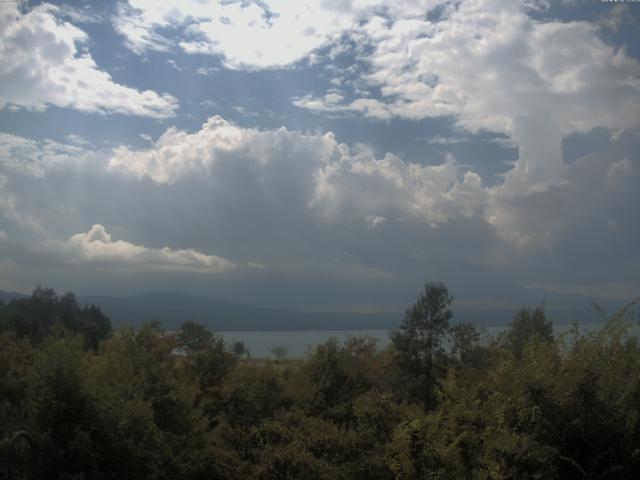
8,296
223,315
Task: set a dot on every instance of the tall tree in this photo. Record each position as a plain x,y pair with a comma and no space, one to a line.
418,340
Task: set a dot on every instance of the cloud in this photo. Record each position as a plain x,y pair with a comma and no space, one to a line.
331,104
390,186
309,214
208,104
82,14
492,67
294,186
134,27
617,16
10,211
338,178
77,140
320,215
174,65
45,62
251,35
374,220
583,232
177,153
206,70
442,140
489,64
277,38
96,247
36,157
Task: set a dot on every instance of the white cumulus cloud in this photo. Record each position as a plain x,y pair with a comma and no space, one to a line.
265,34
341,181
491,66
44,62
97,247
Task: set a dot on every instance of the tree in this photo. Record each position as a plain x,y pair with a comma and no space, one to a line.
279,352
207,353
418,340
527,325
252,394
93,324
339,374
194,337
36,316
239,349
464,339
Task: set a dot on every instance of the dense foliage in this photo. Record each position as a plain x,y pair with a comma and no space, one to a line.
442,402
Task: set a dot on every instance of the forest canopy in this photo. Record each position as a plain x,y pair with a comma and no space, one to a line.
443,401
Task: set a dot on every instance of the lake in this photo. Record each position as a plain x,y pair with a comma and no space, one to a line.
298,343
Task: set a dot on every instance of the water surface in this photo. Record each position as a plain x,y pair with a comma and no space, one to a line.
298,343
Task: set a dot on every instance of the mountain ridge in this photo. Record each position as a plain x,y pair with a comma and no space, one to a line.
225,315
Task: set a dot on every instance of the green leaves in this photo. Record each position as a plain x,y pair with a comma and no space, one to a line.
527,406
36,317
418,342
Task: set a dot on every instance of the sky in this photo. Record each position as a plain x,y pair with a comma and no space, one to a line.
321,154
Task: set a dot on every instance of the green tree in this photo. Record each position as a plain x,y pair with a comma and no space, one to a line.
418,342
526,326
36,316
240,350
194,337
251,395
61,407
339,374
207,361
465,343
